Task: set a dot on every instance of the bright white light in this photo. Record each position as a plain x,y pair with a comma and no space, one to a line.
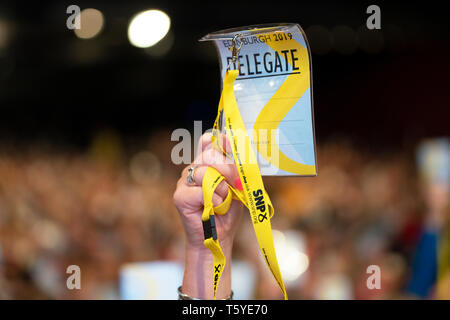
91,24
293,262
148,28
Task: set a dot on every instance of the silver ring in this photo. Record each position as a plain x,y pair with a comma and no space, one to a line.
190,175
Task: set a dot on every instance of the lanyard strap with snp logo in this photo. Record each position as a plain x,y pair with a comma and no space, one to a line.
253,194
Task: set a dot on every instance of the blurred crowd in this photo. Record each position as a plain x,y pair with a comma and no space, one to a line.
109,205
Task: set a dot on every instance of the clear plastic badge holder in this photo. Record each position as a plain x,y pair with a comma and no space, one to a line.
274,94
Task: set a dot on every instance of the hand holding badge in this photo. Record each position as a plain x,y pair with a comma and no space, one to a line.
266,112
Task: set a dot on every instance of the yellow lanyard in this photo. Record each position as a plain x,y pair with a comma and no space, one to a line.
253,195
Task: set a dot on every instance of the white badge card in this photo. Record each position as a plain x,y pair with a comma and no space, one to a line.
274,94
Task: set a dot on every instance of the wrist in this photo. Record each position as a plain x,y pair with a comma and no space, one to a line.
197,247
198,273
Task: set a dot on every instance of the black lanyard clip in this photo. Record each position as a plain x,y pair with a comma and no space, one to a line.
209,228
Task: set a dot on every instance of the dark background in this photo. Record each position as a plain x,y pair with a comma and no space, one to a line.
61,89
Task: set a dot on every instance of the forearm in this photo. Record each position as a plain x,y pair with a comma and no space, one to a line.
198,272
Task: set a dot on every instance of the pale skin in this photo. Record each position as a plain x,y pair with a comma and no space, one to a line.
188,198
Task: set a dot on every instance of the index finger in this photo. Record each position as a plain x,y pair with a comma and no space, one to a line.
205,142
214,158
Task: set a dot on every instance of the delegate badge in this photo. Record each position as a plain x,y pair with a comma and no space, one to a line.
273,92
